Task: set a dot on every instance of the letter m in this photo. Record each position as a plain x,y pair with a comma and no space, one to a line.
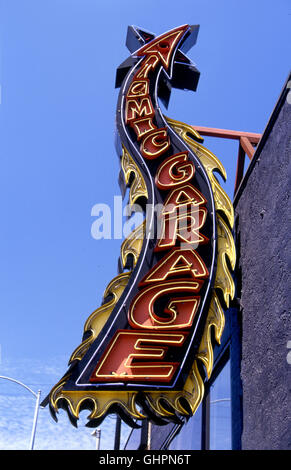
138,107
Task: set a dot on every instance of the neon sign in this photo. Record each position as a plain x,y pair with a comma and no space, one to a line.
141,348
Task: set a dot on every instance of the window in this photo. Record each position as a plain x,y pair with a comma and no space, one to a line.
220,411
134,439
189,437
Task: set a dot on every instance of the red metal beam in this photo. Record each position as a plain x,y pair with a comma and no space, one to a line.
247,147
227,134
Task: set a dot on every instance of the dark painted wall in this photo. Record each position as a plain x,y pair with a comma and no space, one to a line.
263,212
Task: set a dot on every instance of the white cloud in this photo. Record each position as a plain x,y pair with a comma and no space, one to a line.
17,411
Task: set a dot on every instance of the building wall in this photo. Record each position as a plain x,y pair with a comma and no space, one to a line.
263,229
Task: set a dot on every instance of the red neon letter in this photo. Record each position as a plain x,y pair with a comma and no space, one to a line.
137,356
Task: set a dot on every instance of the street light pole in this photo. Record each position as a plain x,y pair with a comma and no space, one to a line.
97,434
35,420
36,409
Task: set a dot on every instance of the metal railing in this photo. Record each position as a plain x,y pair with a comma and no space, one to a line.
247,143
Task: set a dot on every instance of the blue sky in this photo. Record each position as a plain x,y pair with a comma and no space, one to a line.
58,63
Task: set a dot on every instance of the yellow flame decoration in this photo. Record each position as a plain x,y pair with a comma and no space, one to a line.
226,249
132,245
100,401
137,185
